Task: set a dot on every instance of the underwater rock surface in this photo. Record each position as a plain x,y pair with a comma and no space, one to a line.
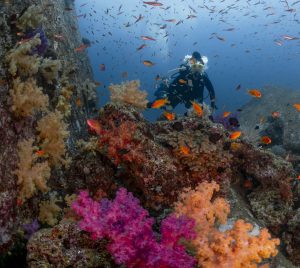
283,130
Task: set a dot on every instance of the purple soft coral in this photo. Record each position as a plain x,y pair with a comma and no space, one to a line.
129,228
230,122
30,228
42,48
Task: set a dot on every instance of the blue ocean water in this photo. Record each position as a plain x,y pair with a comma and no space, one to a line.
247,43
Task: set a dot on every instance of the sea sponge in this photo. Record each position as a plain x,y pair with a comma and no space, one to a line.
27,97
49,69
49,210
32,176
129,93
31,19
20,60
52,135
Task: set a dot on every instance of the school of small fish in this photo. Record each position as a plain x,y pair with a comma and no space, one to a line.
162,29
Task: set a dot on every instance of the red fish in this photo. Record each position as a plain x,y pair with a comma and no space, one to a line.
81,48
94,125
40,153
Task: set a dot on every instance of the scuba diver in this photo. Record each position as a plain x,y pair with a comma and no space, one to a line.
187,84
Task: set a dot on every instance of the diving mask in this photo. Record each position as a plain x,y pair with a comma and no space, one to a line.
197,67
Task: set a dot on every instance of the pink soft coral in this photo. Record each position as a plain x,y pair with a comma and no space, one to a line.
129,228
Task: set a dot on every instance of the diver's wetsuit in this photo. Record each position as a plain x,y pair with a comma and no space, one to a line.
186,87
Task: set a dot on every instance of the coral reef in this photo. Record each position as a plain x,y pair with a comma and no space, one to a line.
129,93
147,158
32,175
27,97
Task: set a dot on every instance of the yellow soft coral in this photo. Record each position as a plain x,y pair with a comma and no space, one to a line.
50,69
32,18
233,248
27,97
129,93
32,176
52,134
64,100
49,210
19,60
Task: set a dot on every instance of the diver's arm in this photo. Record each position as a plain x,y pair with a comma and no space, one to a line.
211,91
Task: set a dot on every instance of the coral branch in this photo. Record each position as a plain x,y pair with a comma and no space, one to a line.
129,228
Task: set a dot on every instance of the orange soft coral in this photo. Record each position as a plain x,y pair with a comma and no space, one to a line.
233,248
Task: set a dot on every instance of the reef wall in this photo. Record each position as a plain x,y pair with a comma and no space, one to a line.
72,92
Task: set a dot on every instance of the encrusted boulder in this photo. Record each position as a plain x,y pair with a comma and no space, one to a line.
66,246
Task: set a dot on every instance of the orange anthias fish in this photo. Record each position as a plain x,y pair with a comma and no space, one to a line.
148,63
182,81
159,103
169,116
78,102
226,114
184,149
255,93
275,114
94,125
156,4
266,140
297,106
40,153
147,38
197,108
141,47
81,48
235,135
171,20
